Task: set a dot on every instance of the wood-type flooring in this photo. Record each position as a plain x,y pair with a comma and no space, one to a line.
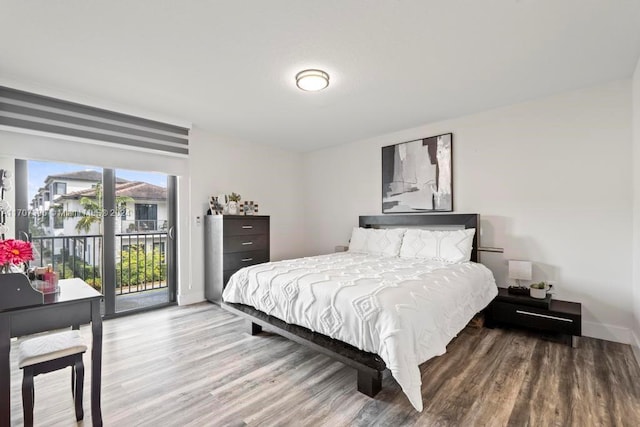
197,366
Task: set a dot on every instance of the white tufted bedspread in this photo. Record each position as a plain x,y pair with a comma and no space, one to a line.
404,310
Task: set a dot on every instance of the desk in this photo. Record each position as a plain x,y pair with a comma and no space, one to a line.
76,304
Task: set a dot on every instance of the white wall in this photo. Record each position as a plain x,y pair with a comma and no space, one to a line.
551,180
636,210
7,163
266,175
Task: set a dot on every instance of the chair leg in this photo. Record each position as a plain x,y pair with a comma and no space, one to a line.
79,377
28,396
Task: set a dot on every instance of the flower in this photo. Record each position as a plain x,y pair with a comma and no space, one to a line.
15,252
3,254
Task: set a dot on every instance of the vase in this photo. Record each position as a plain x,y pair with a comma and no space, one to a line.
538,293
232,207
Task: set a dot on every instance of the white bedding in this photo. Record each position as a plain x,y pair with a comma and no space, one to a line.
404,310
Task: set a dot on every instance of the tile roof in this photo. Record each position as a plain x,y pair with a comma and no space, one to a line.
137,190
83,175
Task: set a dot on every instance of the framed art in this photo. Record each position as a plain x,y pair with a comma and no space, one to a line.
417,176
215,206
249,208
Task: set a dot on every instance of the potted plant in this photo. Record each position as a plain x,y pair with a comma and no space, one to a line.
538,290
232,205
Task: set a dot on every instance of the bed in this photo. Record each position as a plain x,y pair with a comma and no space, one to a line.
368,308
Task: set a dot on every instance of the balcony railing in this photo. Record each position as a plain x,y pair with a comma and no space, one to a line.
71,256
141,262
142,225
140,259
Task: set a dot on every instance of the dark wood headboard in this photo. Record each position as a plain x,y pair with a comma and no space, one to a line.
460,220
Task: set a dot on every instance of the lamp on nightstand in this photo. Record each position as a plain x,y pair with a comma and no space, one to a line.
520,270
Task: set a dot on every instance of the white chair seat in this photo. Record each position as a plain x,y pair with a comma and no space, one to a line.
50,347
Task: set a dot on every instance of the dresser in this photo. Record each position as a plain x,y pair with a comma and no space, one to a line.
231,243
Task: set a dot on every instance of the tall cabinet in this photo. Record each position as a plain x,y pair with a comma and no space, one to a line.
232,242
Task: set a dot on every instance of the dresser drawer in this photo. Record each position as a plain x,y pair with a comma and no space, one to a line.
242,227
238,260
250,242
533,317
232,242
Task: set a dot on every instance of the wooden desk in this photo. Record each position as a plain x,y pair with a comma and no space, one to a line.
76,304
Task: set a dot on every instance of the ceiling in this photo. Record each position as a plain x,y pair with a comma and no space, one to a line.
228,67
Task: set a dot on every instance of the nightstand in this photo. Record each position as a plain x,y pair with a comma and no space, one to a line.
562,317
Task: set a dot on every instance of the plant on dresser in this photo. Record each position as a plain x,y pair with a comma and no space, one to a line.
231,243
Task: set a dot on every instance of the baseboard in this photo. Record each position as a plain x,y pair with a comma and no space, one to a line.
606,332
635,345
191,298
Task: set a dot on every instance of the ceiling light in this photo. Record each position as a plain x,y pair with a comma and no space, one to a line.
312,80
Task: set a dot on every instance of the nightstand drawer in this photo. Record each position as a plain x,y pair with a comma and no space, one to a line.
238,260
252,242
537,318
243,227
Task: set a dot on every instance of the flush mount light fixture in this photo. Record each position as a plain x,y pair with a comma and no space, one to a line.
312,80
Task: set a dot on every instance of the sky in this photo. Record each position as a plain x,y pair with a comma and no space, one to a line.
38,172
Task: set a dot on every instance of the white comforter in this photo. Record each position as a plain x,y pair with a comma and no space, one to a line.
404,310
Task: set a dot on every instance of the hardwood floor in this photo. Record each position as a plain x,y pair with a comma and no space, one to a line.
196,366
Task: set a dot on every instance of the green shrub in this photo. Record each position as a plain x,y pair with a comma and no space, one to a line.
137,266
95,283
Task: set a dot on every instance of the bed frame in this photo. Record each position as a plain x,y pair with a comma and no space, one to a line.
370,366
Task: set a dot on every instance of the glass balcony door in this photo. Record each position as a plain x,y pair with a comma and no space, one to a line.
143,244
113,229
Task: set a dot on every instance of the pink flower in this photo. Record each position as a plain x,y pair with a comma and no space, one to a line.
3,253
15,251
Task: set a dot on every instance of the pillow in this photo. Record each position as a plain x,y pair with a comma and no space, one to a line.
450,246
385,242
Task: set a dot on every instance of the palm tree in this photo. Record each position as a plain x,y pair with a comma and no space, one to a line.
92,214
92,207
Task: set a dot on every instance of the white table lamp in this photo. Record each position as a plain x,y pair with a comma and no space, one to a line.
520,270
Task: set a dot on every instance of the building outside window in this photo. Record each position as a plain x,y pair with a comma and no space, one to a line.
59,188
146,216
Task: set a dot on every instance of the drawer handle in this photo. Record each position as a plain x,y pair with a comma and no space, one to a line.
247,243
247,227
546,316
247,259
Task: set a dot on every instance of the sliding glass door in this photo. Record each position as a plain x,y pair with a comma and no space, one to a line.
143,243
112,228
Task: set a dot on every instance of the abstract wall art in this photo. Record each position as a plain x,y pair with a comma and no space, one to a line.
417,175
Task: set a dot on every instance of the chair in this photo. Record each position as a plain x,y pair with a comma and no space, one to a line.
46,354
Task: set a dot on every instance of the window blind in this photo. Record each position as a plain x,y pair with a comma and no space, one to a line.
26,110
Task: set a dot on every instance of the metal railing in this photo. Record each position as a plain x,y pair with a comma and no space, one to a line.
71,256
141,262
142,225
140,259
